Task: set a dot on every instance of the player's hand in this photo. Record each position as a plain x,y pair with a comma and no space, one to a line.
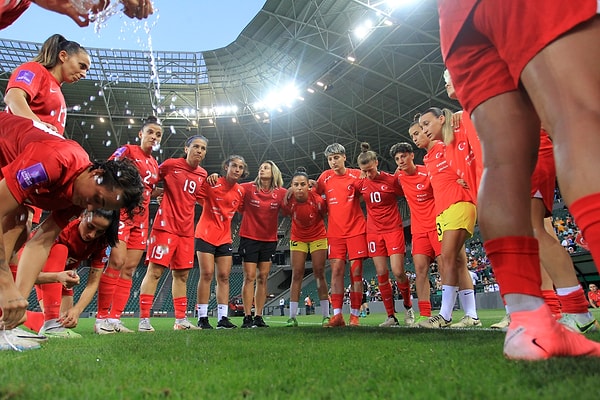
68,278
456,119
463,183
69,318
212,179
65,8
139,9
13,306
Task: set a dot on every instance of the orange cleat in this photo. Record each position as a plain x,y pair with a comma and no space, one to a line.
336,320
354,321
536,335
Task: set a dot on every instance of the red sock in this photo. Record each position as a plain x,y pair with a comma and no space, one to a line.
386,293
35,320
551,300
122,291
516,264
425,308
180,305
586,213
146,301
337,300
52,292
574,303
404,289
106,291
355,300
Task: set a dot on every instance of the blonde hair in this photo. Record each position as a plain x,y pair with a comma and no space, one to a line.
276,178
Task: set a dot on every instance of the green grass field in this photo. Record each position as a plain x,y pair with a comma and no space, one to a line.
308,362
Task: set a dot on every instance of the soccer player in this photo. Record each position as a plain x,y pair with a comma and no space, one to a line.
85,238
263,198
504,71
50,172
346,232
171,243
34,92
115,284
213,239
385,234
455,222
416,185
307,210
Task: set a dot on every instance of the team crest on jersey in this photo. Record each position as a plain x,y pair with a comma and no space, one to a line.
32,175
25,76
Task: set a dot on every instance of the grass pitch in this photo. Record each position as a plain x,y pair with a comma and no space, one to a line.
308,362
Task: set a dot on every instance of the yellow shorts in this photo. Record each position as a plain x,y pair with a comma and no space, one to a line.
461,215
308,247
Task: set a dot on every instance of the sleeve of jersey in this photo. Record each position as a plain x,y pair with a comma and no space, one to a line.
33,170
120,153
26,77
99,258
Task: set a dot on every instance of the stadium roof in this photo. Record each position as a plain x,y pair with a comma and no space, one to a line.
300,76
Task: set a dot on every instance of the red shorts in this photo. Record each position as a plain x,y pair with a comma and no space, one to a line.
501,37
426,243
133,235
355,247
170,250
543,180
386,244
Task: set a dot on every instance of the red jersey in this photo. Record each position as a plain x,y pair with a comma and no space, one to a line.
307,218
46,100
345,217
148,168
461,157
39,166
182,185
453,14
419,195
381,198
219,206
10,10
446,189
260,212
595,297
96,250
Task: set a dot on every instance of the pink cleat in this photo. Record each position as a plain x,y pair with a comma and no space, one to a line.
536,335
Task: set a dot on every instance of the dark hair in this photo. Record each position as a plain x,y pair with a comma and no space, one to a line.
122,174
111,236
403,147
300,171
151,120
192,138
366,155
234,157
51,48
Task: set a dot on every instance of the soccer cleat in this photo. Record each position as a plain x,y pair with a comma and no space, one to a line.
467,322
325,322
419,319
292,322
354,321
184,325
259,322
336,320
435,322
24,334
60,332
203,323
536,335
502,324
580,323
409,316
104,327
145,326
120,328
248,322
225,323
390,322
10,341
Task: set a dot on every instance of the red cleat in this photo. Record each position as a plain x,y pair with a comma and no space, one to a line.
336,320
354,320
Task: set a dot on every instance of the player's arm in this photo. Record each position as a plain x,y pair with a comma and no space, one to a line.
71,317
12,303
